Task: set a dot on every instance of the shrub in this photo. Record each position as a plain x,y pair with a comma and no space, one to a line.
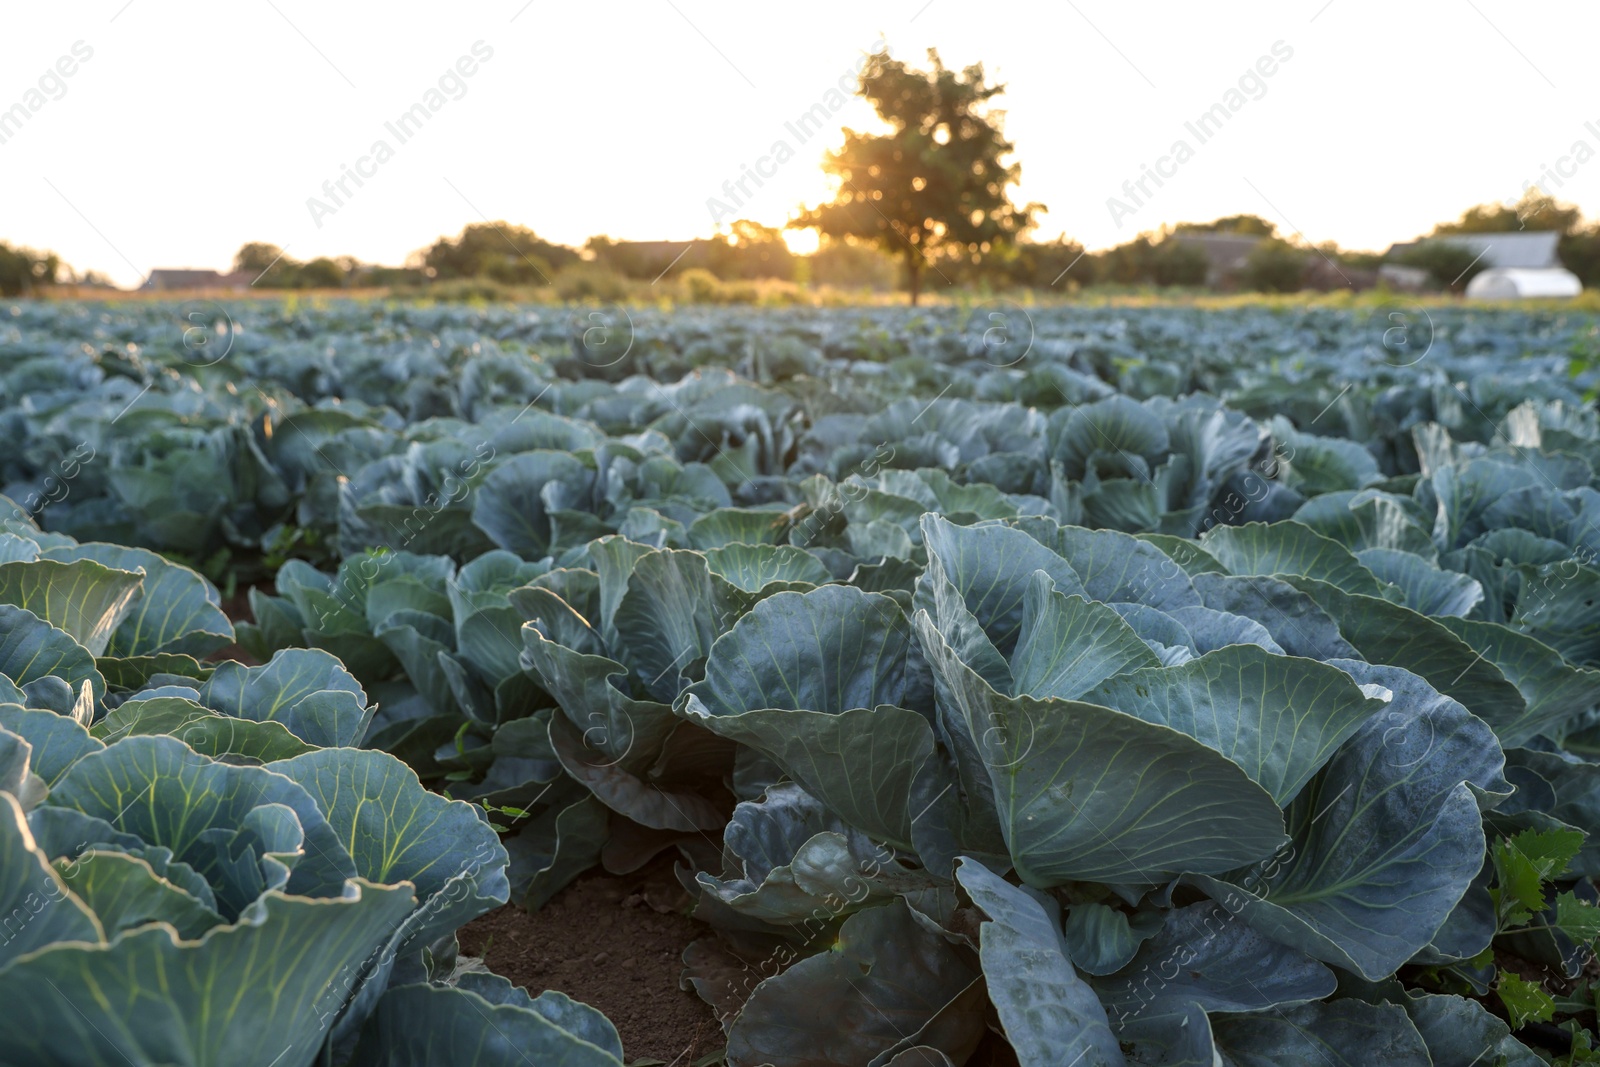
1451,265
321,273
783,294
1179,263
456,291
700,286
587,281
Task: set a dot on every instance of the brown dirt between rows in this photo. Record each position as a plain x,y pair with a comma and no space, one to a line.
615,943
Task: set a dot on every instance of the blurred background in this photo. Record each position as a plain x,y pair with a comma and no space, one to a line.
143,136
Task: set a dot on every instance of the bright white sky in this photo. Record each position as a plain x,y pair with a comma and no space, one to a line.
198,126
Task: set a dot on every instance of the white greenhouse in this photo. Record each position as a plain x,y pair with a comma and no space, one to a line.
1515,283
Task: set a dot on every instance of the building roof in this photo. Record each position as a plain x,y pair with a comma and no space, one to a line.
1526,249
193,278
181,278
1534,250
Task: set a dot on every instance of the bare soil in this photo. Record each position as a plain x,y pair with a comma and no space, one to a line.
615,943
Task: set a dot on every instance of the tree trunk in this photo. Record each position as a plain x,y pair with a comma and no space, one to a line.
913,273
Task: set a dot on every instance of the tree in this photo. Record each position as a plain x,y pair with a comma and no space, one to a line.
1451,265
23,270
1059,264
267,266
512,255
321,273
630,259
256,256
1535,211
1128,263
935,186
1250,225
1150,258
1580,253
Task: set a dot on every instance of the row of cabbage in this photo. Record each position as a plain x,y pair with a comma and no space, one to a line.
199,865
220,434
860,660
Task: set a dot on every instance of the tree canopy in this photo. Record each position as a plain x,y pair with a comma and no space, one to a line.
1535,211
935,187
256,256
23,270
272,269
1249,225
511,255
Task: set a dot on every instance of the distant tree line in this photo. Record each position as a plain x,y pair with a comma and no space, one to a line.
24,271
270,268
723,268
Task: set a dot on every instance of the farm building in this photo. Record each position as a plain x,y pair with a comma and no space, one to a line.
1511,251
168,279
1519,264
1225,253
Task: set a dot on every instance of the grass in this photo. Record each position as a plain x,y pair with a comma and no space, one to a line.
770,293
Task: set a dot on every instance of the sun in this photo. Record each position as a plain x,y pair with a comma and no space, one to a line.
801,242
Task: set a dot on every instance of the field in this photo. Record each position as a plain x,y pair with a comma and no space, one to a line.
871,687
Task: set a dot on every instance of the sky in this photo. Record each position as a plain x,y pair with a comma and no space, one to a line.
166,134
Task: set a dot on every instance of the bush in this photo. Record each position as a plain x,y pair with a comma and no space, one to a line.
783,294
1274,266
1179,263
321,273
456,291
1580,253
588,281
700,286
